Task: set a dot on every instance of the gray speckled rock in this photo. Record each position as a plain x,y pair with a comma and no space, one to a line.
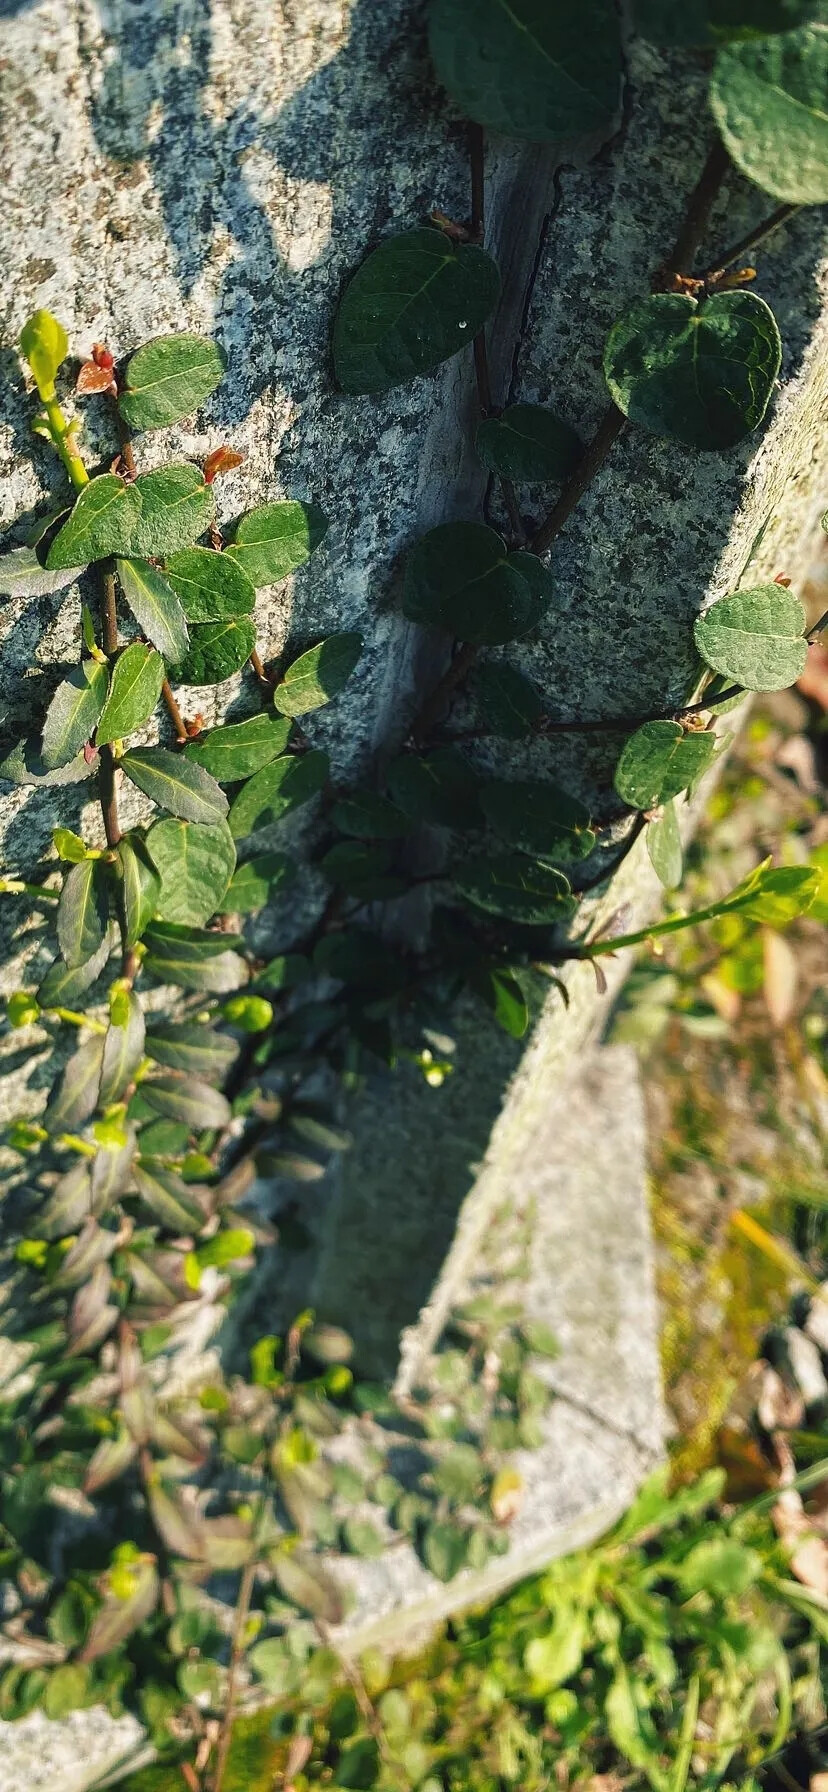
223,165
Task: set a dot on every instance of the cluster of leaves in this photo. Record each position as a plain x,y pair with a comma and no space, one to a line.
601,1666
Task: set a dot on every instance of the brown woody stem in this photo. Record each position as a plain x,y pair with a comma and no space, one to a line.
174,712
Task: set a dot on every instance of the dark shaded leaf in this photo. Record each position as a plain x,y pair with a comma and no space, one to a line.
276,789
700,374
274,539
414,302
318,675
73,713
169,378
528,69
510,704
102,522
196,1104
707,22
515,889
140,886
370,817
358,957
459,578
440,787
111,1459
176,507
137,677
210,586
362,870
175,784
216,651
241,748
256,882
538,818
83,912
528,443
195,864
123,1051
198,1050
155,607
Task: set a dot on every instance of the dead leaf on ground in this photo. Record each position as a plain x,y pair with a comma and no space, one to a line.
781,977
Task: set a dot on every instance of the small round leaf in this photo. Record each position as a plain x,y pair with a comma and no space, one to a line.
769,102
755,638
415,301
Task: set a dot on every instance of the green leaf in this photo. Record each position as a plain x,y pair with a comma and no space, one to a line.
755,638
271,541
768,100
63,983
174,783
550,1660
177,507
22,764
721,1566
217,650
370,817
77,1092
415,301
440,788
318,675
362,870
362,1538
502,993
540,581
256,882
275,790
122,1053
528,443
103,522
538,818
195,863
659,761
665,848
696,373
525,68
288,971
68,1205
515,889
510,704
774,894
210,586
357,957
169,378
69,1689
198,1050
192,966
23,575
307,1584
241,748
155,607
73,713
83,912
445,1548
137,677
196,1104
709,22
139,888
168,1197
45,344
459,578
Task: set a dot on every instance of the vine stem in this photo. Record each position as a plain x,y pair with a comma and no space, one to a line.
174,712
752,239
236,1654
60,435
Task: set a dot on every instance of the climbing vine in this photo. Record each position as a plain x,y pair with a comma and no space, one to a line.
127,1489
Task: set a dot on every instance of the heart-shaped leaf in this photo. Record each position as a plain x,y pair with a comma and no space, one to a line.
174,783
74,712
195,864
210,586
708,22
216,651
271,541
526,68
440,788
155,607
659,761
169,378
137,677
241,748
510,704
755,638
538,818
415,301
515,889
23,575
527,442
256,882
318,675
176,507
83,912
198,1050
700,374
103,521
665,848
459,578
140,886
768,100
275,790
122,1053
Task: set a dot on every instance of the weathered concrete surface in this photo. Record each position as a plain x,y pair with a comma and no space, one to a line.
224,164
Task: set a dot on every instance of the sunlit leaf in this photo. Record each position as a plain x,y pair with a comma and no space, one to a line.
122,1053
768,100
198,1050
140,886
665,848
176,507
73,713
196,1104
137,677
23,575
216,651
195,864
274,539
174,783
102,522
155,607
256,882
210,586
659,761
77,1092
275,790
83,912
45,344
755,638
169,378
318,675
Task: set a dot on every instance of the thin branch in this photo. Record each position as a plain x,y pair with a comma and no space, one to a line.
751,240
174,712
236,1655
435,704
259,668
604,439
699,206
